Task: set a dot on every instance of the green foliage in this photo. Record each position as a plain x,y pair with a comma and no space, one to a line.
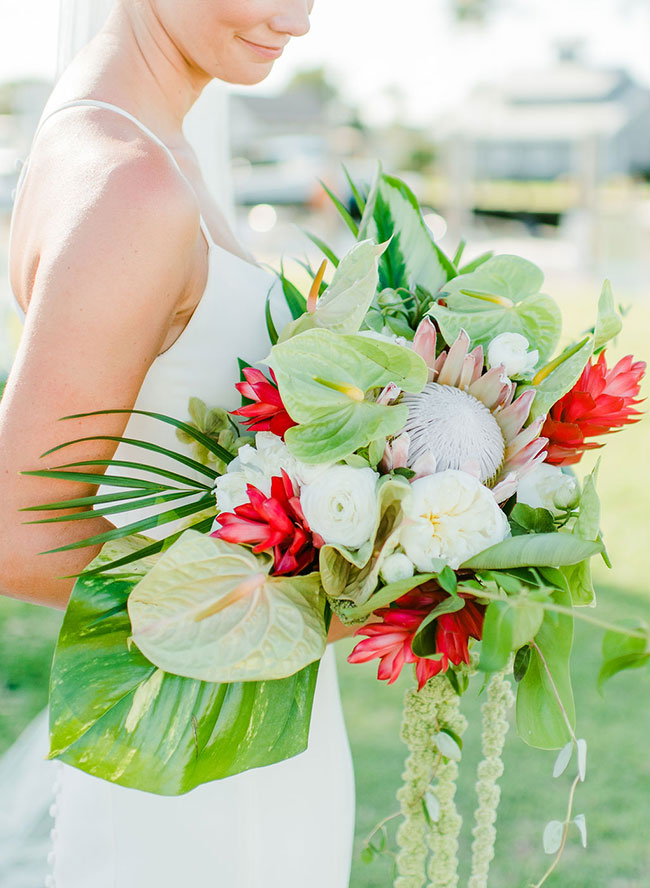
412,258
322,378
545,707
508,625
609,323
501,295
209,610
424,641
110,708
568,369
536,550
587,527
526,519
215,423
621,652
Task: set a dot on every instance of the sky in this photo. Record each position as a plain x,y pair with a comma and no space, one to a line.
408,48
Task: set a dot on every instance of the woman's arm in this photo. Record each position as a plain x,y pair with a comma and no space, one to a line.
110,274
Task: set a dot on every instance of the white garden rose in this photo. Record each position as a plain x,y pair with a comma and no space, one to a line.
548,487
513,351
256,465
341,505
397,566
451,517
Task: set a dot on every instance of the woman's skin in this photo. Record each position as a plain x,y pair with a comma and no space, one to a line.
108,260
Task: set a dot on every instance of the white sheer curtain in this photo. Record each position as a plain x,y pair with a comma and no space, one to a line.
206,125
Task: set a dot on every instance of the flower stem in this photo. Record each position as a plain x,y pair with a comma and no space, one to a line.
565,832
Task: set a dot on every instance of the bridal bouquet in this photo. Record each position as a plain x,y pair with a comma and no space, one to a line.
403,459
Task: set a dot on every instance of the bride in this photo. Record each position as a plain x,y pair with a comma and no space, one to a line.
135,291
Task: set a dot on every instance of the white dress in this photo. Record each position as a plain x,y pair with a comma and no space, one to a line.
287,825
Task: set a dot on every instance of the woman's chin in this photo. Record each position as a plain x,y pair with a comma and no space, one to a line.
248,76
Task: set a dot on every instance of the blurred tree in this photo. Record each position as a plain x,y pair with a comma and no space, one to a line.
471,10
315,80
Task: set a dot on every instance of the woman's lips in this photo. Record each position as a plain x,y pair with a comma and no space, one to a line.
268,52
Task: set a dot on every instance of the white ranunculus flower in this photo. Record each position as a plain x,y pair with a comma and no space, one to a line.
548,487
341,505
452,516
397,566
256,465
513,351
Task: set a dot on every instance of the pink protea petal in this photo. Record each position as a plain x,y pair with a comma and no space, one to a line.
524,457
439,364
424,465
506,488
451,372
467,374
478,356
424,343
524,437
396,453
490,387
512,418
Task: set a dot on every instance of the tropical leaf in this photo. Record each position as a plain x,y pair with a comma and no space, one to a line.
609,322
567,369
343,212
541,721
322,246
190,430
501,295
209,610
111,710
144,524
534,550
412,259
296,302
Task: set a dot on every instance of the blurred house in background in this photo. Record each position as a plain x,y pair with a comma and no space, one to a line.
547,123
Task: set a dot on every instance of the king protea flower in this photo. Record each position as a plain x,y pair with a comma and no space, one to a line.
466,418
275,523
267,413
602,401
391,639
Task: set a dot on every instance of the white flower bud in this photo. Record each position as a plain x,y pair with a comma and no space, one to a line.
548,487
512,350
397,567
341,505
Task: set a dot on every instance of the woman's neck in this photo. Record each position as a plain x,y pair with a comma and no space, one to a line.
133,62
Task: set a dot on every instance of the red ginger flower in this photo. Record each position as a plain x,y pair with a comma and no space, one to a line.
601,402
391,639
275,523
267,413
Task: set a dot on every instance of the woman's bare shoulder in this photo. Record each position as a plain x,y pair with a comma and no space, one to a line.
94,178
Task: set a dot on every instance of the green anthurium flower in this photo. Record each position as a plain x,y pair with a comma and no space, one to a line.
209,610
328,384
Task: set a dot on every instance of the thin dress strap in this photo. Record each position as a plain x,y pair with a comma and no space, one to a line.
95,103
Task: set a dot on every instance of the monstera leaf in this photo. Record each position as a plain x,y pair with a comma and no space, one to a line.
323,380
502,295
412,258
352,575
208,610
117,716
343,306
